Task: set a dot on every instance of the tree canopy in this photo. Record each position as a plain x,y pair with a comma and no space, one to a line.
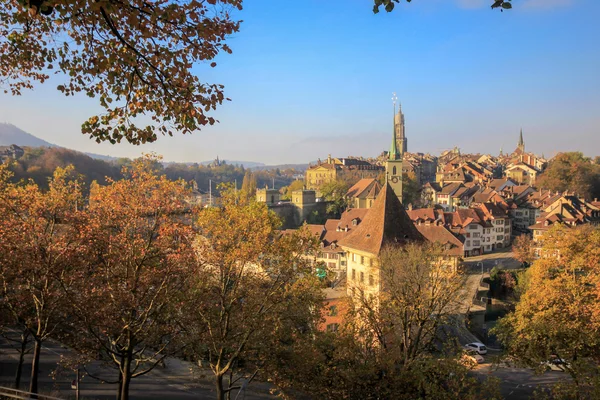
135,57
389,5
572,172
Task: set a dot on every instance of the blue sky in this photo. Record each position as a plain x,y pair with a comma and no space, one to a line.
312,77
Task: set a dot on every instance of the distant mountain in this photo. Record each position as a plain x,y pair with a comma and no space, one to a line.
298,167
10,134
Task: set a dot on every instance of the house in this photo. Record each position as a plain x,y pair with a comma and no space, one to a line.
384,223
363,193
522,173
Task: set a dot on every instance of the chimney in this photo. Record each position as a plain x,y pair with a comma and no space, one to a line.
329,159
410,206
346,229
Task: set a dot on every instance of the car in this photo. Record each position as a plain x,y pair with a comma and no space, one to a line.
479,348
473,356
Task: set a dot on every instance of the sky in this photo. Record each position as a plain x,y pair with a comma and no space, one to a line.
308,78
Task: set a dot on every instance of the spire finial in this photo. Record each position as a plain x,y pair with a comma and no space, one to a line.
394,99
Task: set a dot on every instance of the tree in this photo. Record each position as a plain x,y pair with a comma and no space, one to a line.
287,190
558,315
389,5
410,189
334,192
126,302
39,232
249,185
389,345
572,172
254,288
523,249
135,56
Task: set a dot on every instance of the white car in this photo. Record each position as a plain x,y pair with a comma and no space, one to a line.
479,348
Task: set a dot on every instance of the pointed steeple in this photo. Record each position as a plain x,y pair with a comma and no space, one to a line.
394,154
521,144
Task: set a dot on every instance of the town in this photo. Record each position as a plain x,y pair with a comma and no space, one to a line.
218,200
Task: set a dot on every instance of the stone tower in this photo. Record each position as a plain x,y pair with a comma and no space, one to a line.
401,141
393,165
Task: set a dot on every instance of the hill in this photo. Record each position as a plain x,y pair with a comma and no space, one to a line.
10,134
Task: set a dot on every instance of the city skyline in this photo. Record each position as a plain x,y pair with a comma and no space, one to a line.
311,85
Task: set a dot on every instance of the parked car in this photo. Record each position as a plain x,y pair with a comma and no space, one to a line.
472,355
479,348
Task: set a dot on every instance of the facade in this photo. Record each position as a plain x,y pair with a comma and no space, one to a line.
269,196
363,193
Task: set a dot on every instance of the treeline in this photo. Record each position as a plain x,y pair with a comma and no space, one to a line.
39,164
126,278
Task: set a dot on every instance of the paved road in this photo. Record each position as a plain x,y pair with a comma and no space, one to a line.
178,380
519,383
505,257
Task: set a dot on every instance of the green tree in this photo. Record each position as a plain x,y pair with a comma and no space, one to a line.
572,172
411,190
135,56
334,193
286,191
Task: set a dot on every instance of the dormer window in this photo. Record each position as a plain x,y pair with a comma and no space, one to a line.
355,222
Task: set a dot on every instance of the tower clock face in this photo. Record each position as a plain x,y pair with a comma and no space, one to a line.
394,179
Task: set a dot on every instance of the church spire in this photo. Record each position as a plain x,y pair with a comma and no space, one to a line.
521,144
394,154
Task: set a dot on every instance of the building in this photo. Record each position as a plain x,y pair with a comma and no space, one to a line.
386,223
363,193
269,196
400,131
13,152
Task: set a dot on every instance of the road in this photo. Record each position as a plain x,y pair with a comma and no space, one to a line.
504,257
519,383
178,380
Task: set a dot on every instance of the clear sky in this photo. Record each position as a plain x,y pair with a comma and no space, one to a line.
312,77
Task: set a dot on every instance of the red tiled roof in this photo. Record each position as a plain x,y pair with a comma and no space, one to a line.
385,223
362,187
439,234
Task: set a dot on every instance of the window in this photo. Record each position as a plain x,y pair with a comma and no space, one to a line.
362,277
332,327
499,237
371,280
362,260
333,311
353,274
468,243
472,227
394,170
353,257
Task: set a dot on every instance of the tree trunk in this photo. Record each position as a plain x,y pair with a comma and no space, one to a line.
24,341
220,388
126,376
35,367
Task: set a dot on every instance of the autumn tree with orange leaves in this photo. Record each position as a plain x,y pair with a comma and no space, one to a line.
558,316
255,293
135,57
39,244
127,296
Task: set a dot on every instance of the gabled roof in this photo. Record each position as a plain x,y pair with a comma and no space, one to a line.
439,234
385,223
364,188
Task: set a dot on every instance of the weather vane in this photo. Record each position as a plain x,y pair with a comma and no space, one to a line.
394,98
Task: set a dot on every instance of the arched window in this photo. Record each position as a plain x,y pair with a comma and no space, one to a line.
272,199
394,170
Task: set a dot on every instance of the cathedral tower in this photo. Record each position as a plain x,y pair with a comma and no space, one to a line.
393,165
401,141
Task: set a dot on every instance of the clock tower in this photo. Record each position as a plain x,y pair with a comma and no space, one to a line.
393,165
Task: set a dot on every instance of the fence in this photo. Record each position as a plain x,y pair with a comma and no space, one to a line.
20,394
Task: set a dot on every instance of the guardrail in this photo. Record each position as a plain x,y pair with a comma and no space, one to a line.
20,394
